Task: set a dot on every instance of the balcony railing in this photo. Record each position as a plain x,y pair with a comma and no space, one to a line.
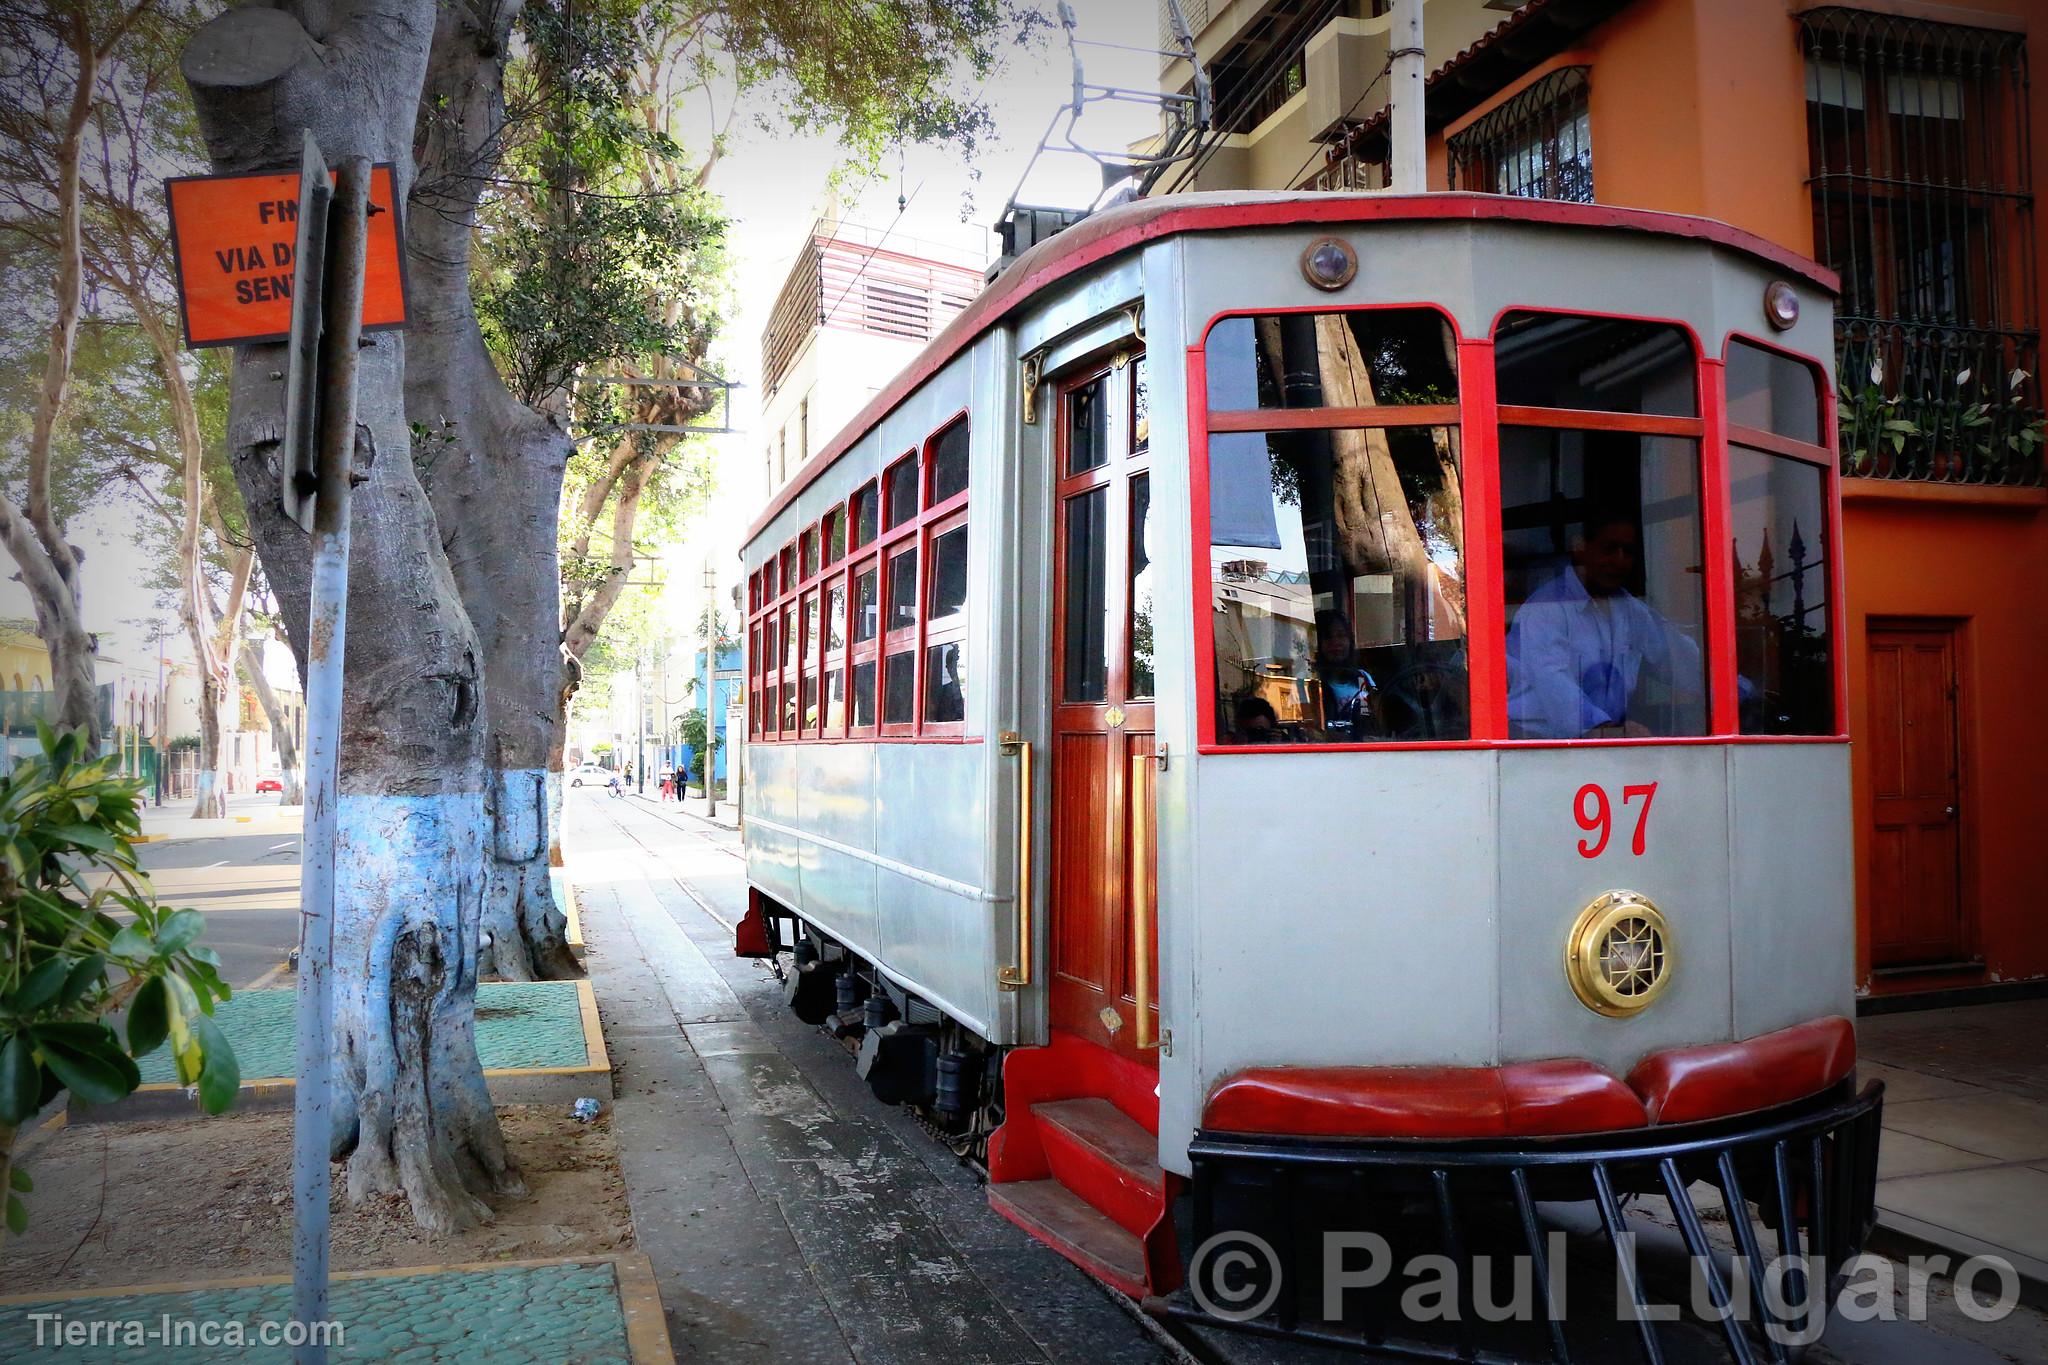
1939,404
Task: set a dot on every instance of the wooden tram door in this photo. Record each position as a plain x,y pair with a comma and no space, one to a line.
1916,899
1102,687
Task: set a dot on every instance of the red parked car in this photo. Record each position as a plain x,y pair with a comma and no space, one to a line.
269,784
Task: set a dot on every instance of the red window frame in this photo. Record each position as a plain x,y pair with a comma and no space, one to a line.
897,640
831,528
867,651
954,630
1463,417
867,496
831,660
903,466
786,717
807,622
807,554
1478,419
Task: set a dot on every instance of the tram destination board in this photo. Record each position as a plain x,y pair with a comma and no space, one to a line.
235,237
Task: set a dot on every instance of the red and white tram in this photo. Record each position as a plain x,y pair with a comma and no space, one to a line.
1311,712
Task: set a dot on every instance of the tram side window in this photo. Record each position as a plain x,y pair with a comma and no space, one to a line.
946,457
867,623
945,662
1337,568
899,662
899,493
861,515
1784,647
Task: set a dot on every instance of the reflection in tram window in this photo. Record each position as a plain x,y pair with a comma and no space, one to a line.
903,590
948,459
1337,564
1142,681
899,688
1600,547
861,513
1361,358
1084,665
899,493
835,618
945,684
1141,404
867,607
1782,580
1559,360
1087,426
1772,392
835,700
949,576
864,694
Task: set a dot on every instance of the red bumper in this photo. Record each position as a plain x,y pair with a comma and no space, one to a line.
1536,1099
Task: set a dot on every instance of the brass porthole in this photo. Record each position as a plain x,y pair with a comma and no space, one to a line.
1620,954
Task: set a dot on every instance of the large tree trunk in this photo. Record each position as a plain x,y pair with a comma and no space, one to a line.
210,799
496,480
282,738
411,1110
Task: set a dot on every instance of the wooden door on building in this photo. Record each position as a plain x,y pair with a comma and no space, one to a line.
1102,687
1918,913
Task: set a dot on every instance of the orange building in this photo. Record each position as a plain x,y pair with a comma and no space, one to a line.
1896,142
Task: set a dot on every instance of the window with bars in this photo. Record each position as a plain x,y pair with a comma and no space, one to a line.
1538,145
1923,203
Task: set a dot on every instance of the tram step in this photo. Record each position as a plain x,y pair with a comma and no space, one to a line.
1067,1223
1106,1157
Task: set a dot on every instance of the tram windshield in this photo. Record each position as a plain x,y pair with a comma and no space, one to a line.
1601,552
1337,550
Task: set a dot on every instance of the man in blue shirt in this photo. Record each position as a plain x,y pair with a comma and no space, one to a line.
1582,642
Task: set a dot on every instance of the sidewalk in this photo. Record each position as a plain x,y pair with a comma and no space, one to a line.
246,815
1964,1164
727,817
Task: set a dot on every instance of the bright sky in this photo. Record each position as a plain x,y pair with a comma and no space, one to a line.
775,184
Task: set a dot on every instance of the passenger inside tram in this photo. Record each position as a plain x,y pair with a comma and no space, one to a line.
1583,649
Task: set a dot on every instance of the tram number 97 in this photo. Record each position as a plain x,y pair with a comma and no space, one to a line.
1595,814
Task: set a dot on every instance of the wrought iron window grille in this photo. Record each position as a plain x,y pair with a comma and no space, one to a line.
1538,145
1917,137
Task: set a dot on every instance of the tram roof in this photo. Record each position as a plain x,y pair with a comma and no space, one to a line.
1127,226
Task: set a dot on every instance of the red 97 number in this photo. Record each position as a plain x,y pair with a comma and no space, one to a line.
1595,814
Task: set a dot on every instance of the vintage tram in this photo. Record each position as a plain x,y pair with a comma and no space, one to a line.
1303,709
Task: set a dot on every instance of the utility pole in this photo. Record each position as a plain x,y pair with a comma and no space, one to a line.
334,240
1409,150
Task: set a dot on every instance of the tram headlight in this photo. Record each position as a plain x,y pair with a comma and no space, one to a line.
1619,954
1781,305
1329,263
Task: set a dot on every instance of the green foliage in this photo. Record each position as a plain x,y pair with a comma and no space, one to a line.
67,961
696,732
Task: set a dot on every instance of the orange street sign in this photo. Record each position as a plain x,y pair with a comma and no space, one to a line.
233,237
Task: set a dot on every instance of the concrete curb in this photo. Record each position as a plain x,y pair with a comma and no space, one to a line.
508,1085
1901,1237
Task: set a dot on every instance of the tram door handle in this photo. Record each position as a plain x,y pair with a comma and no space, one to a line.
1141,917
1018,977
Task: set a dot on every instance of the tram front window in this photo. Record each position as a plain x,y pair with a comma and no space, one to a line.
1600,527
1337,565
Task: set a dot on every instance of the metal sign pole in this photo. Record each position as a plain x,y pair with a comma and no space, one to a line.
334,386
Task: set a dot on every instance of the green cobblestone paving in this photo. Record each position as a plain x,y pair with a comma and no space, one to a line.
518,1024
511,1315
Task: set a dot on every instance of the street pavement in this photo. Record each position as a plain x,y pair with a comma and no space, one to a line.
242,873
788,1214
